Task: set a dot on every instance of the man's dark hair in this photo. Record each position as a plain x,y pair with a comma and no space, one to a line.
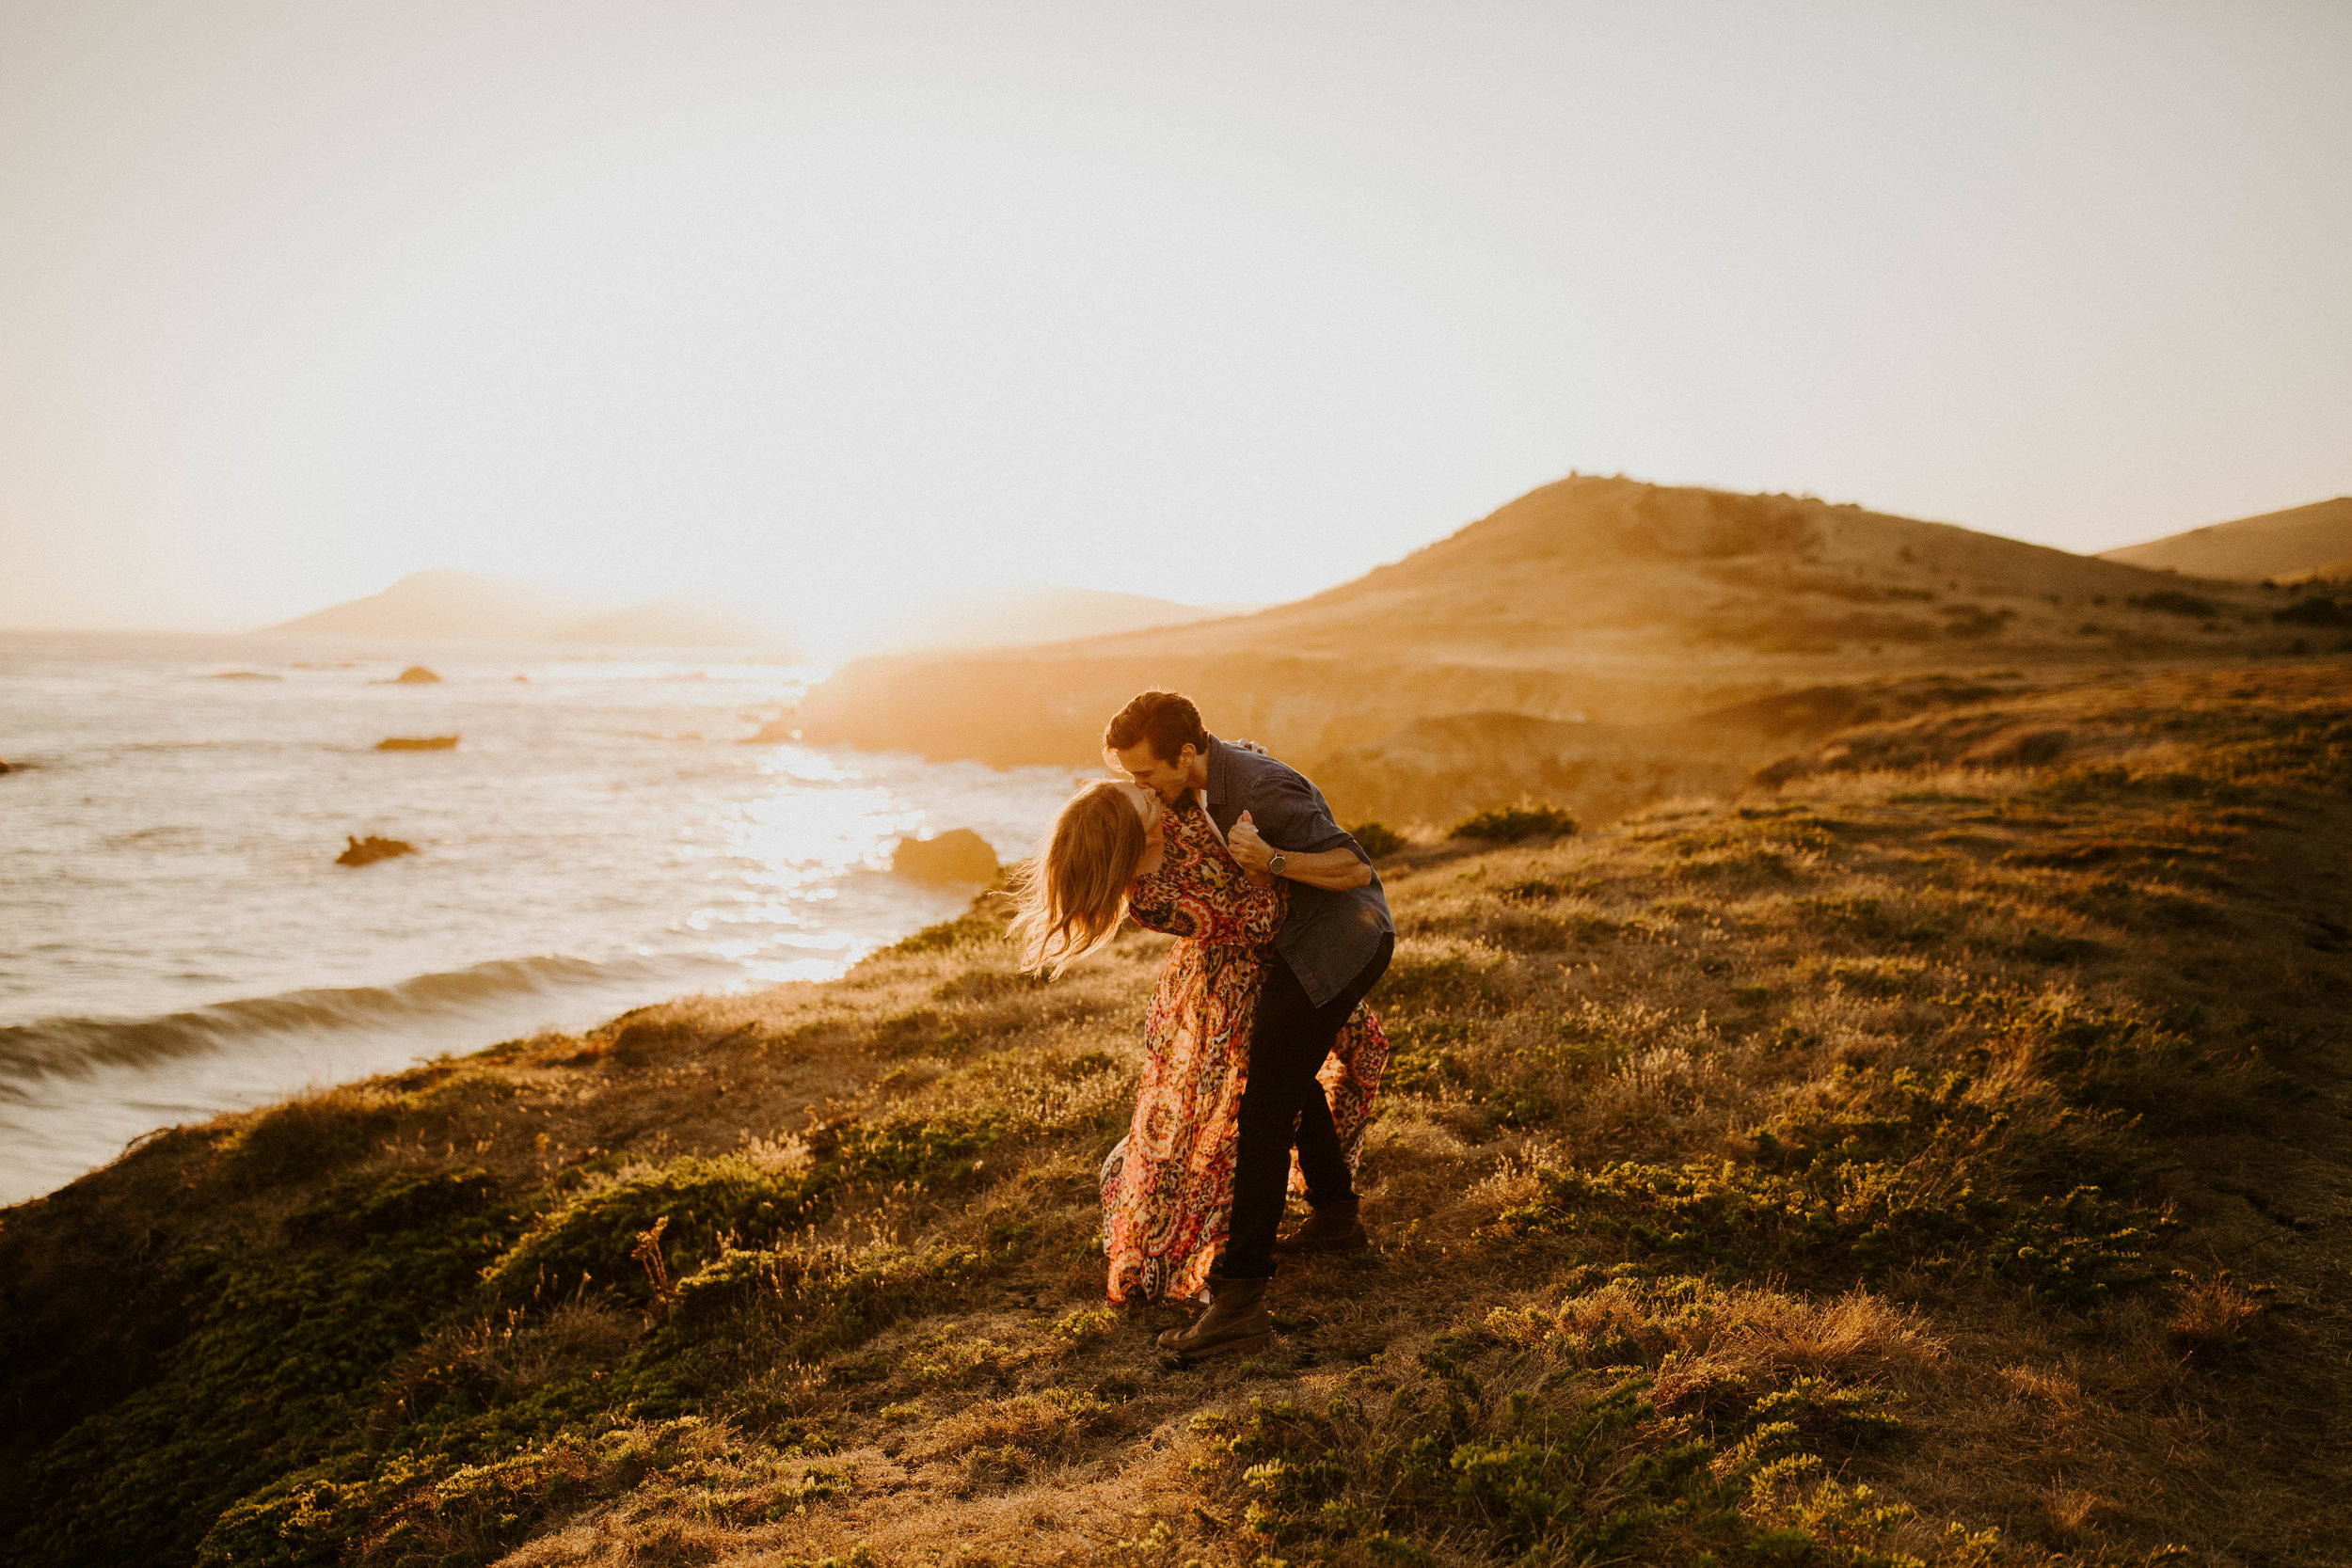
1165,718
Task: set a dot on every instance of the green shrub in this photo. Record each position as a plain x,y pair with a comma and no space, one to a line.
826,1298
308,1138
276,1372
2172,601
1423,1053
1858,1192
1514,1443
1377,839
922,1145
1449,983
1543,890
1510,824
2074,1250
1869,1213
966,930
357,1209
591,1238
2317,612
412,1512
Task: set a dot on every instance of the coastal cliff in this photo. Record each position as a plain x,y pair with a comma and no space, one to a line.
1936,1155
1642,608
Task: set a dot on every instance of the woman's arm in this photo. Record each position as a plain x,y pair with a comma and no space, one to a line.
1232,906
1258,911
1156,902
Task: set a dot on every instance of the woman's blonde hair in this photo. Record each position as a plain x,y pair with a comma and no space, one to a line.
1072,894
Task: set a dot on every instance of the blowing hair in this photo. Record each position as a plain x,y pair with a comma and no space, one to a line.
1071,898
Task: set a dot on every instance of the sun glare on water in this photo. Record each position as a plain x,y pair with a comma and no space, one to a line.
788,848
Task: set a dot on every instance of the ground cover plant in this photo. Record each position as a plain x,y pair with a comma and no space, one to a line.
1510,824
1936,1155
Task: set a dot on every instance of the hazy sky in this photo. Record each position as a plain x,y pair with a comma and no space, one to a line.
1217,302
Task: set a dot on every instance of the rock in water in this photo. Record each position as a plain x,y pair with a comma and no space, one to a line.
418,743
417,674
6,767
782,727
957,855
368,851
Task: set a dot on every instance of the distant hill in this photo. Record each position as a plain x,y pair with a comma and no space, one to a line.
2300,545
1021,614
444,602
681,620
1602,600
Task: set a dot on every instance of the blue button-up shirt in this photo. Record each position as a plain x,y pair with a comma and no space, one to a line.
1328,937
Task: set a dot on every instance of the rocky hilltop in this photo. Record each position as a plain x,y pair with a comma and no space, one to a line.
1658,616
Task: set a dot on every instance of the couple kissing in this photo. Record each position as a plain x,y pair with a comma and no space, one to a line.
1260,1062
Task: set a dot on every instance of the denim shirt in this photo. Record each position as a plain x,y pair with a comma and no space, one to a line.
1327,936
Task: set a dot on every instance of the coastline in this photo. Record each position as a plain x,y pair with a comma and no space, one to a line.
598,838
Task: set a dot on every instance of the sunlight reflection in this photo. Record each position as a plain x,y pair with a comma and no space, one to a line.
819,820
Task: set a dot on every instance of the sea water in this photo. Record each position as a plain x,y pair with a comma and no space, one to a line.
177,939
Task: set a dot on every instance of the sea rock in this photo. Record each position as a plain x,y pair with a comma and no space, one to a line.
784,726
6,767
418,743
957,855
417,674
368,851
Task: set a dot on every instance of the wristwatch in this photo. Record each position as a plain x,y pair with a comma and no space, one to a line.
1276,861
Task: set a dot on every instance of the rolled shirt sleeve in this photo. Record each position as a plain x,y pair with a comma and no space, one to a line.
1291,815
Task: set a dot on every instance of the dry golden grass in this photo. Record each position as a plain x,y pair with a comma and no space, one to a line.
1733,1170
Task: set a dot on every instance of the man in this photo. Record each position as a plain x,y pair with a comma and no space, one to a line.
1333,947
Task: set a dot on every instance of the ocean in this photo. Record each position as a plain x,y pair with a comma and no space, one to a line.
177,939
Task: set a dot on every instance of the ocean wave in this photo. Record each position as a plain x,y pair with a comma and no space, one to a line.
74,1046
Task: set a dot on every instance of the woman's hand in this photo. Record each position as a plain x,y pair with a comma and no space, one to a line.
1259,879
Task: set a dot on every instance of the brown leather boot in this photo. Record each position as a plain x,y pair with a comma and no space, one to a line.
1330,1228
1236,1319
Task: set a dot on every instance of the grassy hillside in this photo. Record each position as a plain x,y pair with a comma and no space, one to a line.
1919,1159
2282,545
1628,606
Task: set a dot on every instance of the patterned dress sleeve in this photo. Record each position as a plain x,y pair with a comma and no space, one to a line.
1200,892
1234,911
1154,903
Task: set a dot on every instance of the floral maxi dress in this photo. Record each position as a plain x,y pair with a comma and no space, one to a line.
1167,1188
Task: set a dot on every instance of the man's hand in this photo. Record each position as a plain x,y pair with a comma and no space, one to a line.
1335,869
1251,852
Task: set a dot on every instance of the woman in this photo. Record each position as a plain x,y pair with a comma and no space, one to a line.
1116,851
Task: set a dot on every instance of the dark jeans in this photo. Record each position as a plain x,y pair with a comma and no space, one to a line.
1282,1106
